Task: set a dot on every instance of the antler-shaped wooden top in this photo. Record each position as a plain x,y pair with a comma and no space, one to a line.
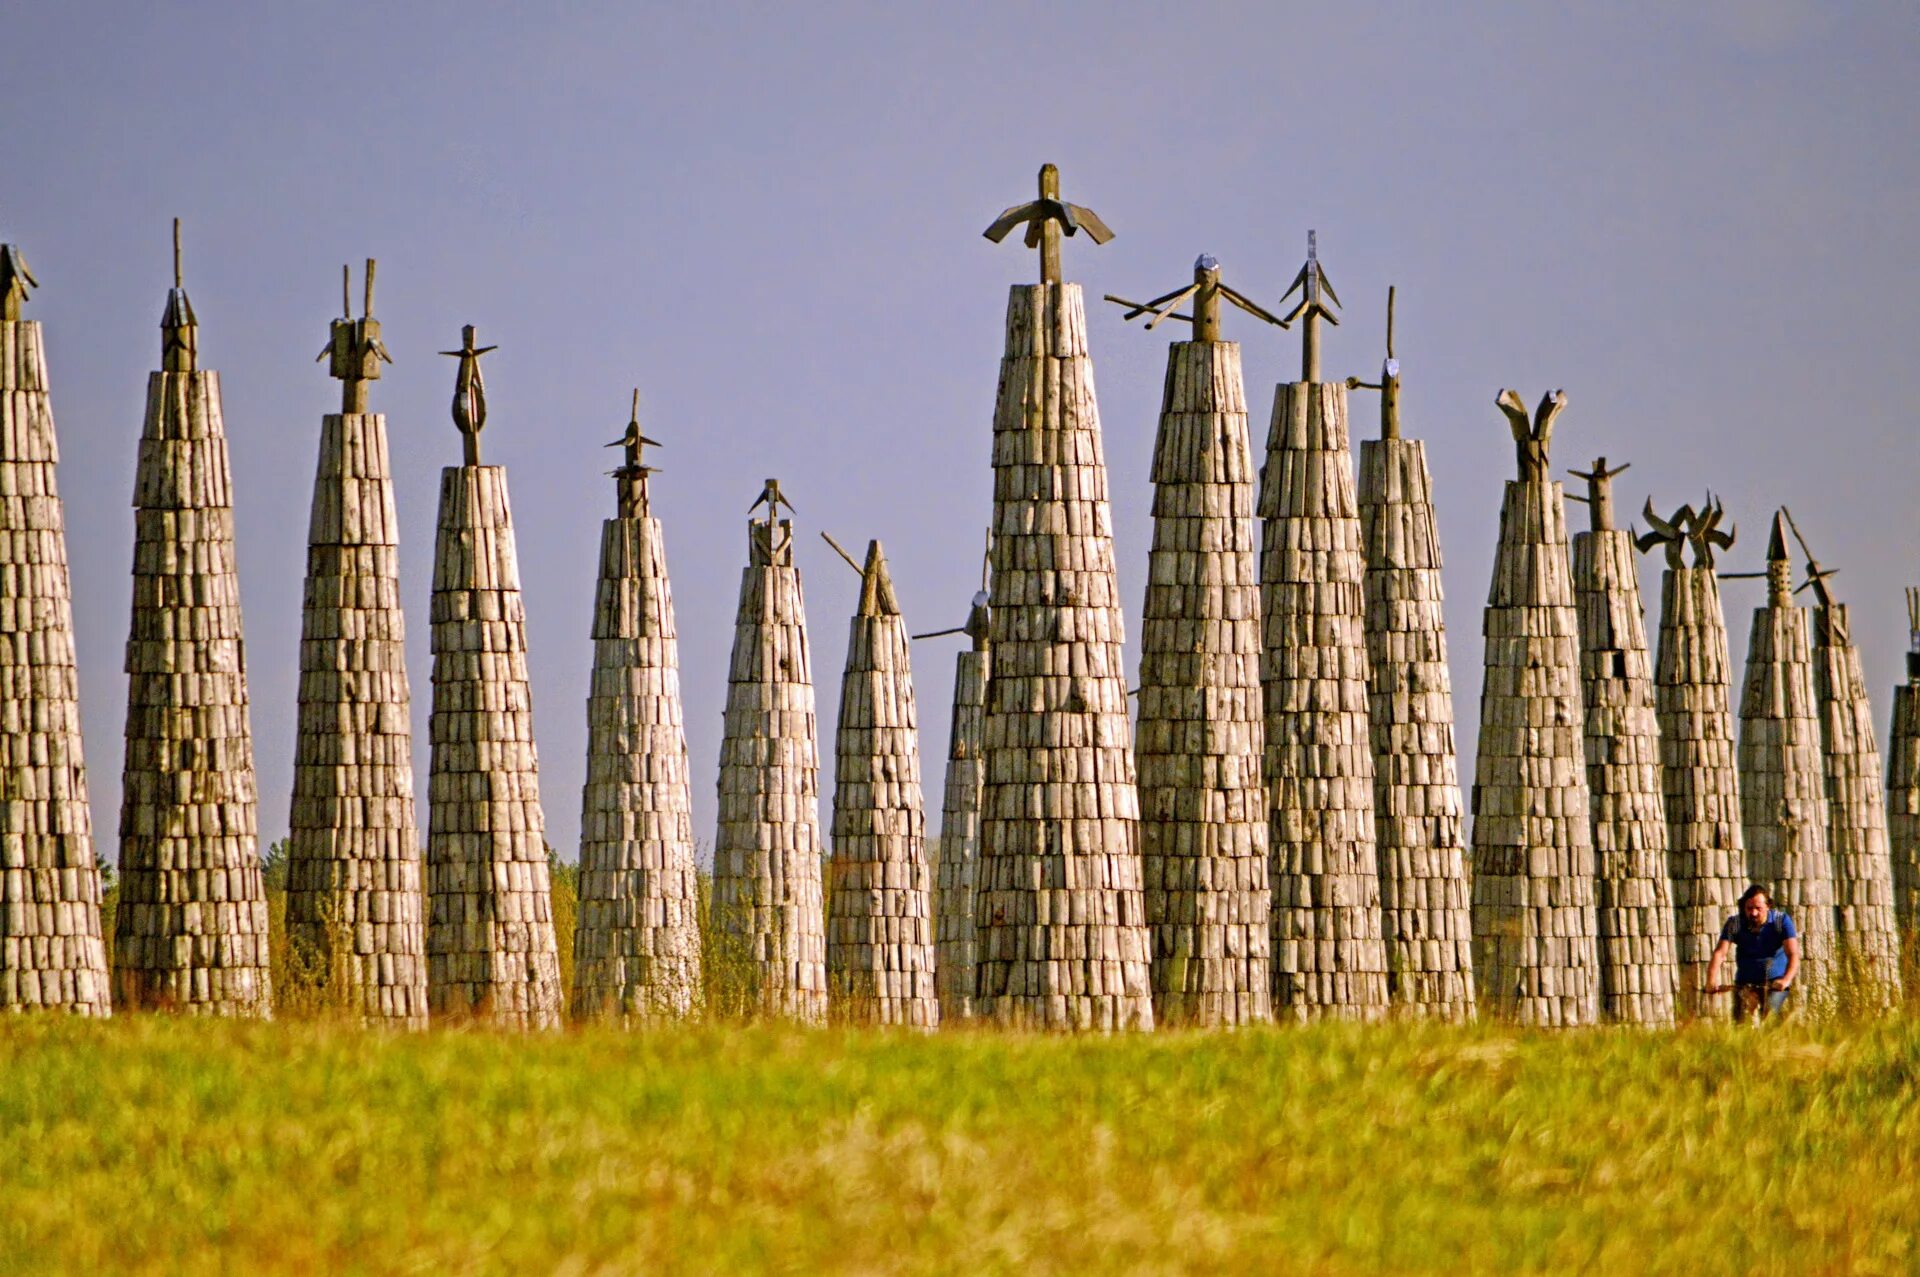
1315,291
179,328
1206,290
1389,383
1532,439
1599,498
632,476
15,281
354,345
1047,218
469,394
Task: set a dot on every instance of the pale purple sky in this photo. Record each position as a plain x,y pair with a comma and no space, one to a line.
1700,223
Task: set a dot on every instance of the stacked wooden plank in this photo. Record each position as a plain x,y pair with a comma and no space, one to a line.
1707,855
1426,902
1639,972
1329,958
1063,940
51,953
636,953
354,897
1201,735
880,938
1903,797
191,929
491,951
1783,795
1866,932
959,858
767,903
1534,957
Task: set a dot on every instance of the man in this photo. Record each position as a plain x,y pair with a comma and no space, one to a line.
1767,957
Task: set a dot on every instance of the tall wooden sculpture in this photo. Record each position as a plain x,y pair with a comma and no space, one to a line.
353,863
880,933
1063,940
636,946
1783,792
51,954
1329,958
766,859
1706,853
1534,953
191,930
1865,933
491,951
1201,737
955,874
1903,792
1426,903
1639,973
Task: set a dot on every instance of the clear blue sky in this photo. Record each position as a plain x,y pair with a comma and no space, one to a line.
1699,220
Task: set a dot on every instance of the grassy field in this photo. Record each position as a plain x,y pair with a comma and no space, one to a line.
182,1146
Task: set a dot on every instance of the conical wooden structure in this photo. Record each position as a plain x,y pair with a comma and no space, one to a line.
1866,934
1329,958
636,944
880,930
51,953
1426,897
1534,954
1201,735
958,862
1063,940
767,907
1783,791
491,951
191,930
1903,792
1639,972
354,899
1706,852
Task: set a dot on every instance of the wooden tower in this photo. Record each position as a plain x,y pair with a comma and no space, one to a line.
958,861
1903,791
191,930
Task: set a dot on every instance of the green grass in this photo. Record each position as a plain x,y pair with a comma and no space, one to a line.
183,1146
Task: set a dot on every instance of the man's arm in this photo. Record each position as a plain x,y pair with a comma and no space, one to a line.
1792,947
1719,955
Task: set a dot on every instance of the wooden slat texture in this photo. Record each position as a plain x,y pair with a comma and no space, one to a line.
956,874
1903,809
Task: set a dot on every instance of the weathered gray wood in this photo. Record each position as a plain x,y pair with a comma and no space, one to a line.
191,929
1903,792
51,953
1062,924
1201,735
766,858
880,932
957,871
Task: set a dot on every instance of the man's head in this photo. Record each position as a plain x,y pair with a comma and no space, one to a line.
1755,904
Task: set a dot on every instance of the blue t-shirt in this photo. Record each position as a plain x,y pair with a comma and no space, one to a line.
1760,953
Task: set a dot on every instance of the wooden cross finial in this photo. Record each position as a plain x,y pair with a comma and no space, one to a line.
469,394
1532,438
1206,290
770,541
15,281
632,477
1047,219
354,345
1599,498
1315,292
771,497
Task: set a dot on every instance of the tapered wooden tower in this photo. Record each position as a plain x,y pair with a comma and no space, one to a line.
636,946
1201,737
1639,972
767,904
1329,958
1783,792
955,874
191,930
1903,791
1063,940
354,899
880,933
491,952
1706,853
1426,902
1534,953
51,954
1866,935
